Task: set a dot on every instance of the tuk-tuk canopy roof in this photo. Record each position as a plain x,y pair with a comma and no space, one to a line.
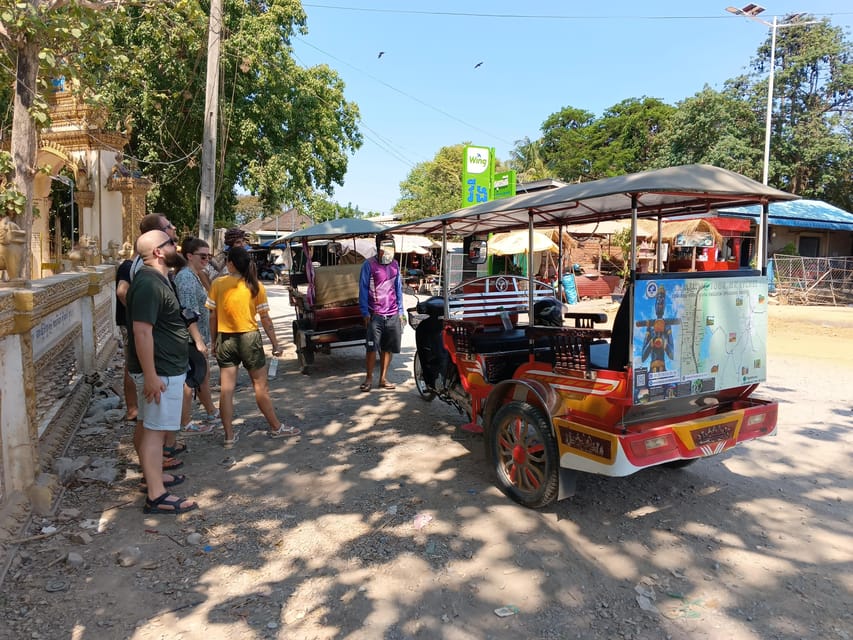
336,229
687,189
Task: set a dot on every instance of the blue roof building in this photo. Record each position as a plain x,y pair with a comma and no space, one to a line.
815,228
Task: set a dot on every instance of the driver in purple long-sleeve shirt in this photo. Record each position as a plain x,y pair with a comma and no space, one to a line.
380,297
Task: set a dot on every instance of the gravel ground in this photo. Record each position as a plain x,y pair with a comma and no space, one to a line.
381,521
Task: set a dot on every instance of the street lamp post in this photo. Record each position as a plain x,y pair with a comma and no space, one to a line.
752,11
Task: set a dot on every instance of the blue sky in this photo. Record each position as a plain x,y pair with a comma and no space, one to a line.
425,92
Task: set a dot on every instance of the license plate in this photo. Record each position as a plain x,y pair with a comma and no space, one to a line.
714,433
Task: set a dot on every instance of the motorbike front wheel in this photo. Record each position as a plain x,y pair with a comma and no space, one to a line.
420,384
521,448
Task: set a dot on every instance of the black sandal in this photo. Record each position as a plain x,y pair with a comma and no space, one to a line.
173,506
177,478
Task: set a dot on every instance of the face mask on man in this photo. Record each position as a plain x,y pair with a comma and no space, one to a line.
386,252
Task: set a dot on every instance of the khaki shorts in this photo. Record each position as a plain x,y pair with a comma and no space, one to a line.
234,349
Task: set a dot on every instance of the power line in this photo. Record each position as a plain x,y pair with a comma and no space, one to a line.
529,16
407,95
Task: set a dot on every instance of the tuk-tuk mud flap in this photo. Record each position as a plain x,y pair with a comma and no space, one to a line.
567,483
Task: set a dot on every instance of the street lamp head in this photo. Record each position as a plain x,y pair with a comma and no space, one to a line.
753,10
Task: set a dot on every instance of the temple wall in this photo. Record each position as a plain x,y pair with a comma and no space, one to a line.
55,333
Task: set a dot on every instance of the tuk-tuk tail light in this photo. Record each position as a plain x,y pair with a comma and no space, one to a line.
655,446
758,420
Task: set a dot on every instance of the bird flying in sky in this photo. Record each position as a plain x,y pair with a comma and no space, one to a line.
381,53
479,64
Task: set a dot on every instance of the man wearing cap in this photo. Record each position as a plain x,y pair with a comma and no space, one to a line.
380,298
234,237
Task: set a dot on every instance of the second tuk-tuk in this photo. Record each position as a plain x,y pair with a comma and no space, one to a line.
323,285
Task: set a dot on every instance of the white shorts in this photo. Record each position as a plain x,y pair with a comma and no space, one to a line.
165,416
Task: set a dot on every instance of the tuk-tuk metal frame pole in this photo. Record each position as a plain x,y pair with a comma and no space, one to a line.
445,287
659,252
560,265
763,238
530,281
633,271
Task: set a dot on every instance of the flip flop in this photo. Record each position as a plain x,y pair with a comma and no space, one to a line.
196,429
174,482
387,385
365,386
178,449
172,463
164,505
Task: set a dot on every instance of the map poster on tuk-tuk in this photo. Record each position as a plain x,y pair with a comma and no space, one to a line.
698,335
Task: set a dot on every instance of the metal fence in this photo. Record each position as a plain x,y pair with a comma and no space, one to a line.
818,281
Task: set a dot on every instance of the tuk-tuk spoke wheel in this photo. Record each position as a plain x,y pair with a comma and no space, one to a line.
523,451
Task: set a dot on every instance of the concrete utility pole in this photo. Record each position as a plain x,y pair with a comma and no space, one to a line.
211,113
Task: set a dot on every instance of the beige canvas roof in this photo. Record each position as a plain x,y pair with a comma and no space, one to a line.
689,189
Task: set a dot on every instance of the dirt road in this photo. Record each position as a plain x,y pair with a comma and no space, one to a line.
381,521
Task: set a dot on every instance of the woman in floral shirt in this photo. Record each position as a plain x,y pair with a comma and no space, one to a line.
192,295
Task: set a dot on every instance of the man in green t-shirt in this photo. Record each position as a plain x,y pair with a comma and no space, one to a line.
157,360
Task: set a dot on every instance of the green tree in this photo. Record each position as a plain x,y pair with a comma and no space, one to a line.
247,208
39,40
285,131
321,208
526,159
567,146
577,146
433,187
713,128
811,146
626,136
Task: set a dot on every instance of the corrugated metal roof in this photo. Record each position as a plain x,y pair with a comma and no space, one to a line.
805,214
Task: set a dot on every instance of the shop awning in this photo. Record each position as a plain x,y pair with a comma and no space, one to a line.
805,214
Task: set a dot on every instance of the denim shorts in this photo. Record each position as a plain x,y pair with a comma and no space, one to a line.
384,332
165,416
234,349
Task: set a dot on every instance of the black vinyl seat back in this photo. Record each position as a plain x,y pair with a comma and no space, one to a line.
620,340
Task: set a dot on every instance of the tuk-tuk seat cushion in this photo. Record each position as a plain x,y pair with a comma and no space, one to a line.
497,341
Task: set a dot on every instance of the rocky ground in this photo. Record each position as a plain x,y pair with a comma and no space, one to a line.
381,521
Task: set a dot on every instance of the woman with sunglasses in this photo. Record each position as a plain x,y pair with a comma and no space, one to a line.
192,296
234,302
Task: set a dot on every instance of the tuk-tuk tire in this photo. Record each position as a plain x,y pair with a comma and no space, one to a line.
503,454
305,354
420,384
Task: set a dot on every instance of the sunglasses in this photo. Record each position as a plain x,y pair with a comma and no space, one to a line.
163,244
203,256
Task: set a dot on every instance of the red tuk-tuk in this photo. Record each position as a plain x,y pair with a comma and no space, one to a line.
672,381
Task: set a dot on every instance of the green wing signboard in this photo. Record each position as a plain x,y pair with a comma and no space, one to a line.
478,171
480,183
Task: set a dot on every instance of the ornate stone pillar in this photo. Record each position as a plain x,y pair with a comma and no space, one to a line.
133,192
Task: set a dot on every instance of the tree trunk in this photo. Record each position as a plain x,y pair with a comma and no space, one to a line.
24,137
